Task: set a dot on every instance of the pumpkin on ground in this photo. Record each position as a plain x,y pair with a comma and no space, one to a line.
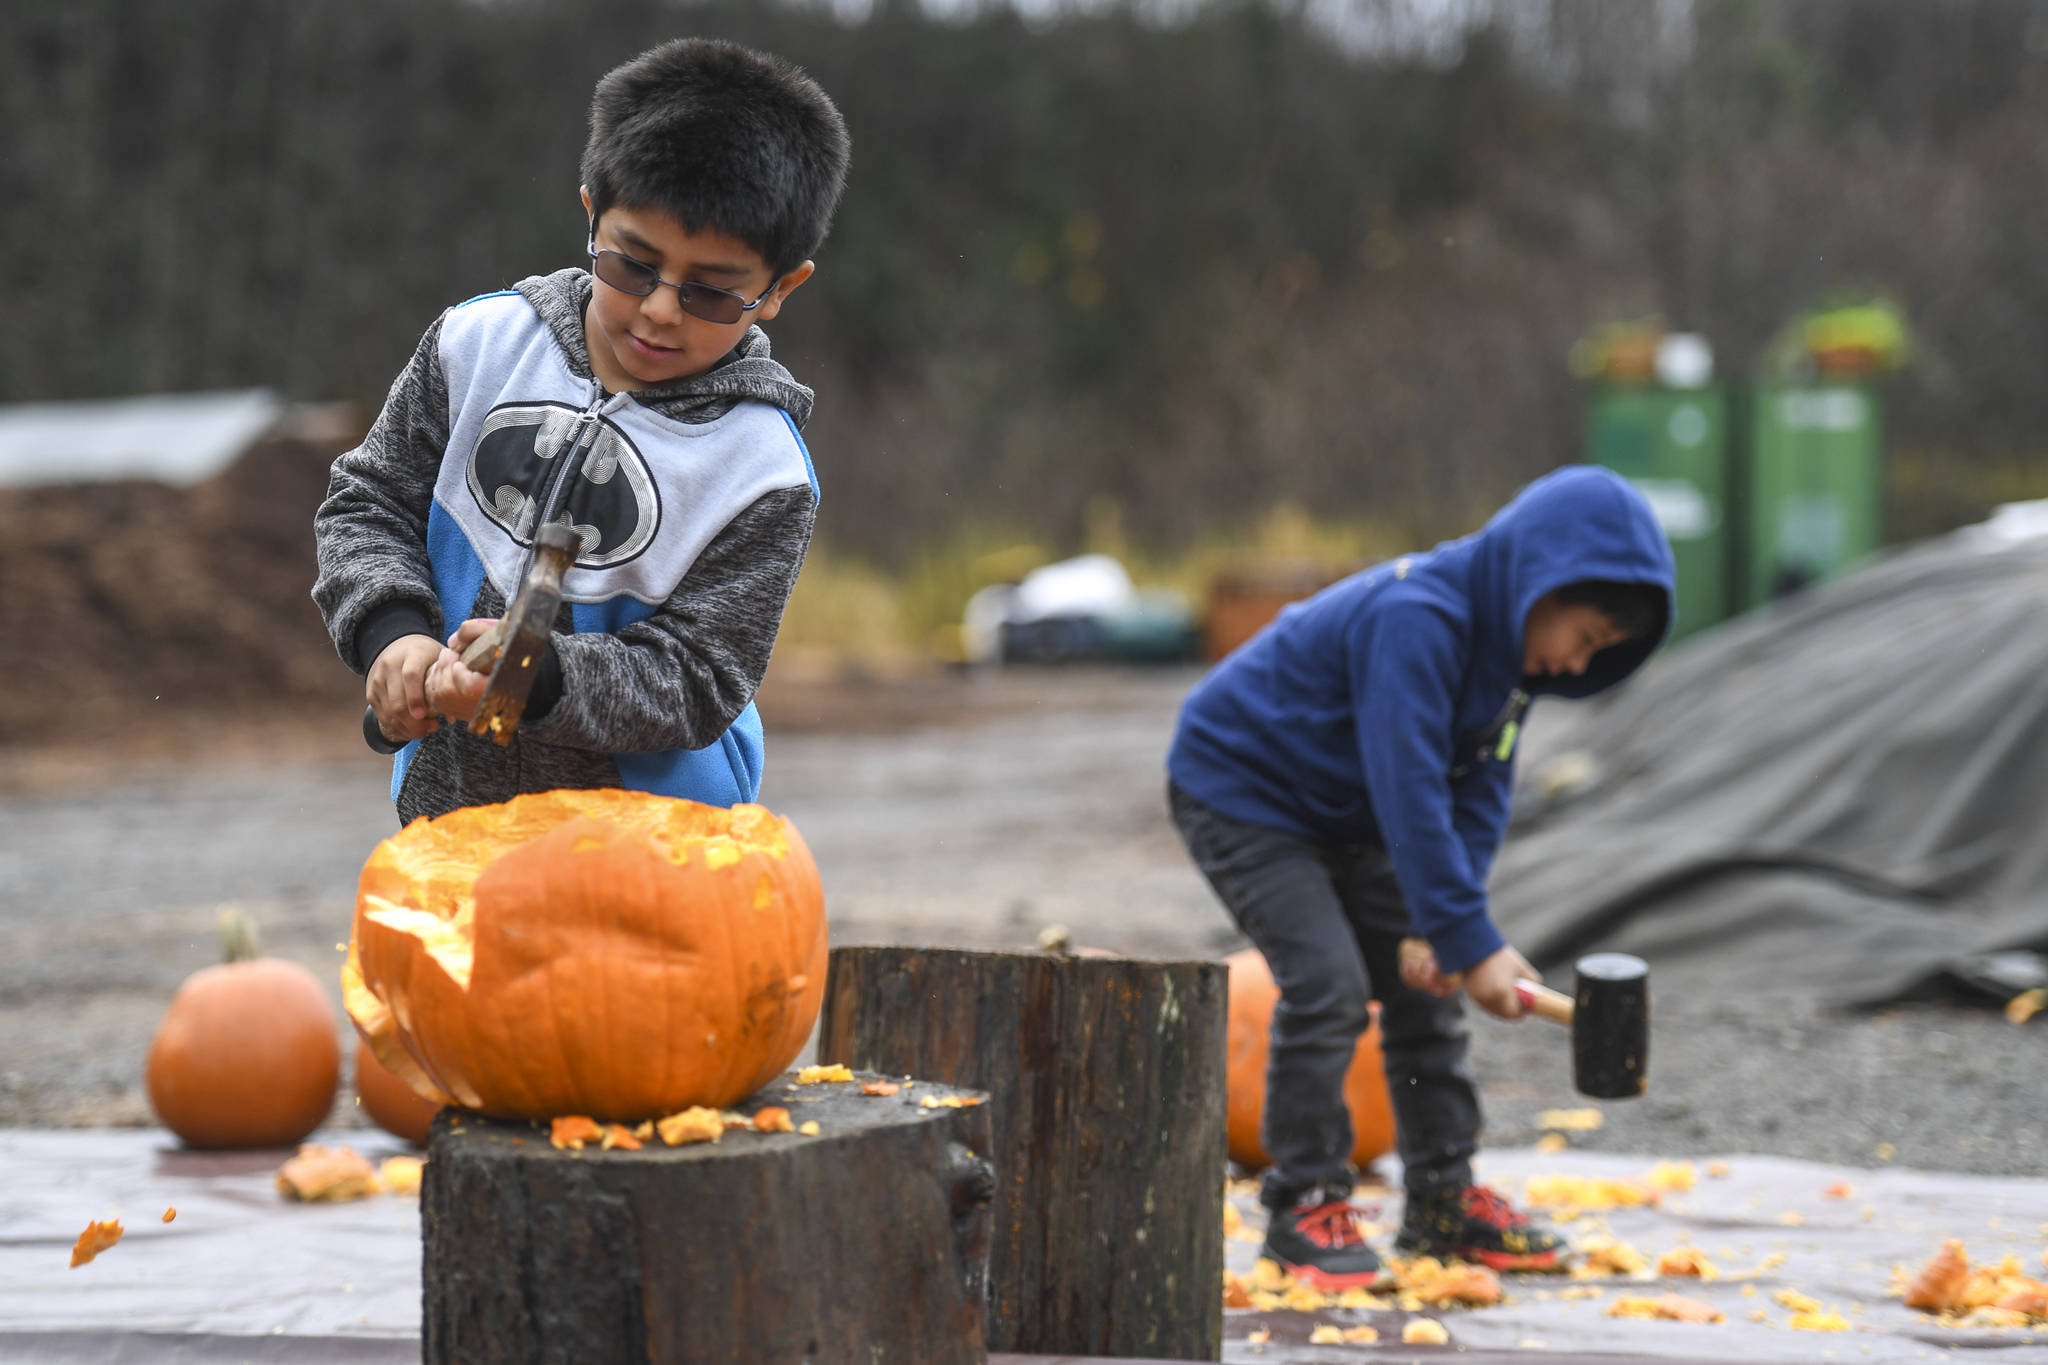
247,1054
1252,997
389,1102
609,953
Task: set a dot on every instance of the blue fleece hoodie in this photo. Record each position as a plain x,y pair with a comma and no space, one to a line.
1385,708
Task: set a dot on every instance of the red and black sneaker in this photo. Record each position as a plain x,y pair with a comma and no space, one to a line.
1319,1242
1473,1223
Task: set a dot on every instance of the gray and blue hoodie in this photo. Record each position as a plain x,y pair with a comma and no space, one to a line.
695,502
1384,710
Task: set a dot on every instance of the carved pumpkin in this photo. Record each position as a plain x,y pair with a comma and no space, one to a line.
1252,997
609,953
389,1102
247,1053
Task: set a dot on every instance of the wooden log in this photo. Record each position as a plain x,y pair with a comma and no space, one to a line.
866,1242
1106,1086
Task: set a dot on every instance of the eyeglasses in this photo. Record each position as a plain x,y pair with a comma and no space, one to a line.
629,276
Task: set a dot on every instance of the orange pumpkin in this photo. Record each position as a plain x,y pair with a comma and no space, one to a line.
247,1053
1252,997
609,953
389,1102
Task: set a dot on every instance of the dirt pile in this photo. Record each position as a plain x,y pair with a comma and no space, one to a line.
134,606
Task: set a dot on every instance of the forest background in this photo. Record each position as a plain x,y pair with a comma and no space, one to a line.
1156,277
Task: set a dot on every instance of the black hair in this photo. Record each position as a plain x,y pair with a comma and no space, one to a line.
720,138
1637,609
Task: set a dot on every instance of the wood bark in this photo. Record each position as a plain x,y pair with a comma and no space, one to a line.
1106,1085
866,1243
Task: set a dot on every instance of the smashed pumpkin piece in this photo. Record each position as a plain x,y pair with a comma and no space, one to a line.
1841,1189
620,1136
950,1102
169,1214
96,1238
1571,1120
1428,1281
1236,1293
1326,1334
1424,1332
1991,1295
2026,1005
818,1075
1688,1261
1603,1255
1587,1192
810,1129
1819,1322
697,1124
400,1174
326,1175
773,1119
1667,1176
571,1131
879,1088
1666,1308
1358,1336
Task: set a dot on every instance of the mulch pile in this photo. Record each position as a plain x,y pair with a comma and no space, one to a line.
131,606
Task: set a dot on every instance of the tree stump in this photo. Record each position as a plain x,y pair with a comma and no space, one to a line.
867,1242
1106,1094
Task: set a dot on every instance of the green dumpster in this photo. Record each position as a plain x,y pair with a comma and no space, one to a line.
1673,445
1813,482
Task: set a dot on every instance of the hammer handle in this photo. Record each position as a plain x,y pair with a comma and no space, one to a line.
1555,1006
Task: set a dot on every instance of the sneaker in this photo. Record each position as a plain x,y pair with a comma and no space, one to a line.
1319,1242
1476,1224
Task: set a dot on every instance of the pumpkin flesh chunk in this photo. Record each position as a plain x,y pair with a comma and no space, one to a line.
588,952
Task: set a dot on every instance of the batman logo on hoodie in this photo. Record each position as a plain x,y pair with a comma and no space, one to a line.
514,464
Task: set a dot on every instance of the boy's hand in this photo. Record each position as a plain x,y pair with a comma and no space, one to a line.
1419,971
453,688
1491,984
397,688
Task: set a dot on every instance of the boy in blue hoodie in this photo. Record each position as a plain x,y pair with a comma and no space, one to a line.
1343,779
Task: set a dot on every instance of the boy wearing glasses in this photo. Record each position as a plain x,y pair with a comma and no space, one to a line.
637,403
1342,780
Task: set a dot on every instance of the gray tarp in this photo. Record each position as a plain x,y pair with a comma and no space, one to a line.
244,1276
1844,796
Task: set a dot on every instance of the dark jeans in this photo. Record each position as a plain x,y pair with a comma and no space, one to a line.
1330,919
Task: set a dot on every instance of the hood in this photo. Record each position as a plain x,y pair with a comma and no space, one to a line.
747,371
1577,523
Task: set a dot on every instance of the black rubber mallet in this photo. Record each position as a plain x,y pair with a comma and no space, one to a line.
1609,1016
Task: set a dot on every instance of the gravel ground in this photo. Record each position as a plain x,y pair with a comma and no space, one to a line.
958,812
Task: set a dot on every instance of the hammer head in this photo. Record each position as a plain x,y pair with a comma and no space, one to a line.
523,634
1611,1026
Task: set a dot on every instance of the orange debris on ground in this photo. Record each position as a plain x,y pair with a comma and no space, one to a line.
1666,1308
571,1131
2001,1295
400,1174
816,1075
620,1136
326,1175
169,1214
1427,1280
1841,1189
96,1238
773,1119
1425,1332
950,1102
1689,1261
880,1088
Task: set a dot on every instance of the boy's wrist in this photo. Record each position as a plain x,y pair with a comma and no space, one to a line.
384,624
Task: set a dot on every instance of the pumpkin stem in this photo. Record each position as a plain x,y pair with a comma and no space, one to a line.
238,941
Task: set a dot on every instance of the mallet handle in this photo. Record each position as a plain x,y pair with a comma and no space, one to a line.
1555,1006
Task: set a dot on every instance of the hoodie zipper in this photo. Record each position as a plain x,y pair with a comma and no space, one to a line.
575,450
1497,741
